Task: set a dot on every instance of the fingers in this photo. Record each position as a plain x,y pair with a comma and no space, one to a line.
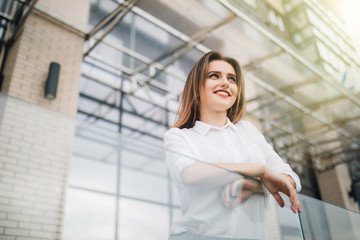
294,200
237,192
235,202
296,206
225,195
295,203
231,192
245,195
249,185
279,199
240,198
235,187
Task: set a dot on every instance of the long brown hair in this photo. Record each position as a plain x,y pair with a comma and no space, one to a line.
189,109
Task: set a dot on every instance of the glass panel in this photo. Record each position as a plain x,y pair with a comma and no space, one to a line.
88,215
139,183
92,174
321,220
288,222
212,204
141,220
148,204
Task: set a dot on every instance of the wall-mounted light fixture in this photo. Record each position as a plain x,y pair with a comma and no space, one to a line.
52,80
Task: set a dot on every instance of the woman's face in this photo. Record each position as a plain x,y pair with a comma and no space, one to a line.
220,89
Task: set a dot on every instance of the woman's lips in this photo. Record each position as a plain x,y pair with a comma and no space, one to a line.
222,93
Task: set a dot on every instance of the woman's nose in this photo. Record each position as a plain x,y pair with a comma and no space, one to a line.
224,82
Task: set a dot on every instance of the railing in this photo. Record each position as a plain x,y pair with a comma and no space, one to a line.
107,167
119,187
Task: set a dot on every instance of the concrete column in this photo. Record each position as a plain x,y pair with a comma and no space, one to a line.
36,133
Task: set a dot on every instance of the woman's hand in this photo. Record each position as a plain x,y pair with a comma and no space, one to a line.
238,191
275,183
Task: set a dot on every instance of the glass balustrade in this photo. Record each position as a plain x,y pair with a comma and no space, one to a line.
321,220
120,188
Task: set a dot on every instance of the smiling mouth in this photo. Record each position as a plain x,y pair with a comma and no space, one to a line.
222,93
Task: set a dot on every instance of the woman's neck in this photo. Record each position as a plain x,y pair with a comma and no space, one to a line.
215,119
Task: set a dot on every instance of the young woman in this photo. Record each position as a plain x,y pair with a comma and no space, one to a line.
209,141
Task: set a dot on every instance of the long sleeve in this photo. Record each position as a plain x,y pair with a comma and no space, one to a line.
272,159
178,154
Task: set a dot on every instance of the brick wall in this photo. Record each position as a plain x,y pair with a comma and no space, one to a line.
35,146
334,185
36,133
42,41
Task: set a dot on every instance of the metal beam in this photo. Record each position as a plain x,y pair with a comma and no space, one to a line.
129,72
294,134
124,126
312,106
287,120
301,130
271,101
160,105
181,36
350,160
288,89
115,21
107,19
139,57
185,47
345,121
302,108
256,62
328,79
341,149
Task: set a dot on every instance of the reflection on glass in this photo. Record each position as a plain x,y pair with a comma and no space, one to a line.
88,215
142,220
289,223
321,220
140,184
93,174
148,201
218,203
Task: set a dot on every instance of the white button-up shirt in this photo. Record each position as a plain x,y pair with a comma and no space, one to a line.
202,209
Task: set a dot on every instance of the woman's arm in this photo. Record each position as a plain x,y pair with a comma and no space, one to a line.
275,182
248,169
205,174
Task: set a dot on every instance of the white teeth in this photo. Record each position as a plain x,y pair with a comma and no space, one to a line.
222,93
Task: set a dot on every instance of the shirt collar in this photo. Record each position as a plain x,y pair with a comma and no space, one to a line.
204,128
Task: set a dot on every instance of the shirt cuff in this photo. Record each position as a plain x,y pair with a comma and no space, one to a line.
285,168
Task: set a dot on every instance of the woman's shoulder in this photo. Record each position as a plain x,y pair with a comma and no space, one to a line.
183,133
173,131
244,123
247,126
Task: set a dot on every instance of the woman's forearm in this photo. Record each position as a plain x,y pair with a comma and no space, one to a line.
249,169
205,174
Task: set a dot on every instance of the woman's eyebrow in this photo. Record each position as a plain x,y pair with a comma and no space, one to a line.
218,72
214,72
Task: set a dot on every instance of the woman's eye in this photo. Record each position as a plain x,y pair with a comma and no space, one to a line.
231,79
214,76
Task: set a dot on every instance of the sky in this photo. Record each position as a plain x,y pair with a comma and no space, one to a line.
351,15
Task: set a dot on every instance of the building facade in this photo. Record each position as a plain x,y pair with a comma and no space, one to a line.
92,155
